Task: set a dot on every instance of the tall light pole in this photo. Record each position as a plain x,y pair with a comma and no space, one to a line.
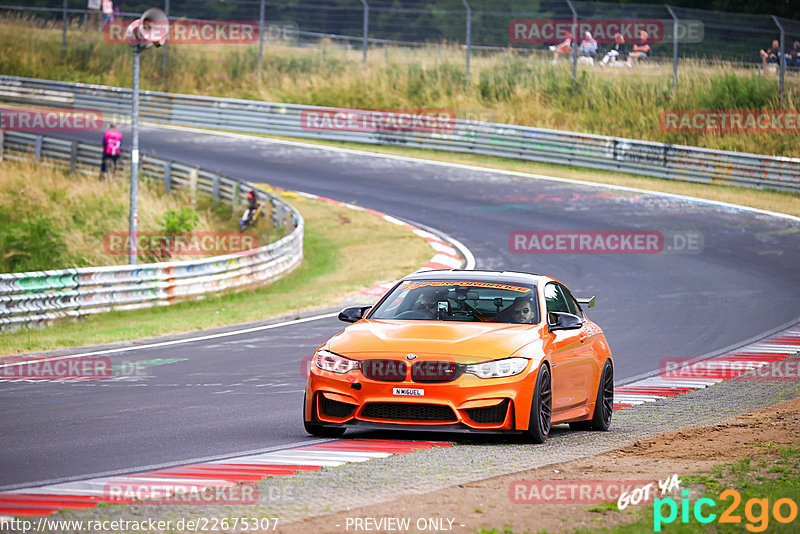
133,212
151,29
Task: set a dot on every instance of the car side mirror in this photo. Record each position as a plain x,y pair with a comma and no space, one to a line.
353,313
564,321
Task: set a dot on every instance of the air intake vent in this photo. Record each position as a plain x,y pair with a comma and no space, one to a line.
332,408
401,411
490,414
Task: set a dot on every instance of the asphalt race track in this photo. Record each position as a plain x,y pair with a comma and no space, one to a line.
226,395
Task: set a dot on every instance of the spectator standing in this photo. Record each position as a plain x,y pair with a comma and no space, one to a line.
641,49
112,143
108,11
771,54
620,49
561,48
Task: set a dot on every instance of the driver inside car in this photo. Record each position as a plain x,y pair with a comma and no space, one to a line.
429,301
522,311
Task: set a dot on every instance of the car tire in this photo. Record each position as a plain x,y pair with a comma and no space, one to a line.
541,407
318,430
604,403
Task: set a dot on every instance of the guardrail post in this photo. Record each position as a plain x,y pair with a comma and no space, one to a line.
167,176
73,156
365,30
2,142
574,43
37,149
235,199
215,188
469,36
193,186
674,50
783,56
277,214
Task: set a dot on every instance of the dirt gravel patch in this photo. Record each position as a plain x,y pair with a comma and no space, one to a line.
487,504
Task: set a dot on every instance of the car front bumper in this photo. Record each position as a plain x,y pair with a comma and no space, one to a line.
466,403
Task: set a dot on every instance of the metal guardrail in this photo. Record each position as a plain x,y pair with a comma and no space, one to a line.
661,160
37,298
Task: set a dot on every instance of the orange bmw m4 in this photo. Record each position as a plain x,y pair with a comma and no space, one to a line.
484,351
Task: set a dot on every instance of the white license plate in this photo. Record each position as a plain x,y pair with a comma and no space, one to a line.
411,392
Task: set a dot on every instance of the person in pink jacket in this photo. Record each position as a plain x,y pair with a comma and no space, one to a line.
112,143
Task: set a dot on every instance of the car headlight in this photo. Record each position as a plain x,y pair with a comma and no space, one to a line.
498,368
329,361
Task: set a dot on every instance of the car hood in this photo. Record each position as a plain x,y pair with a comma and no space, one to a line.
465,342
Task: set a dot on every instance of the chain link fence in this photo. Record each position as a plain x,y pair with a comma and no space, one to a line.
480,26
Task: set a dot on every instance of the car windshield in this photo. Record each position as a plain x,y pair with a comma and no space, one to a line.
465,300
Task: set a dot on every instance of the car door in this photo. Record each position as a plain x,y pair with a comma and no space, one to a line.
587,372
565,348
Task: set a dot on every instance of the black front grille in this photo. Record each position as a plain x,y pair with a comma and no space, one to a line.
332,408
384,370
490,414
402,411
436,371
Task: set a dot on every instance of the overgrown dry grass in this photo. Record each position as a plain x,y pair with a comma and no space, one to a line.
511,88
50,219
345,251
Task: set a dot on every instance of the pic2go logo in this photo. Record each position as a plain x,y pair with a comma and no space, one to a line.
756,511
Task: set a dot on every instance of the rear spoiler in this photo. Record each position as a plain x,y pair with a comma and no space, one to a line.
588,302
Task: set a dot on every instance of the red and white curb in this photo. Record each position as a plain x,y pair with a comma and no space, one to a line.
47,500
446,257
198,477
699,375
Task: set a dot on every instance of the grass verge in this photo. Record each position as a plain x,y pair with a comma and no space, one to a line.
512,88
50,219
345,250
